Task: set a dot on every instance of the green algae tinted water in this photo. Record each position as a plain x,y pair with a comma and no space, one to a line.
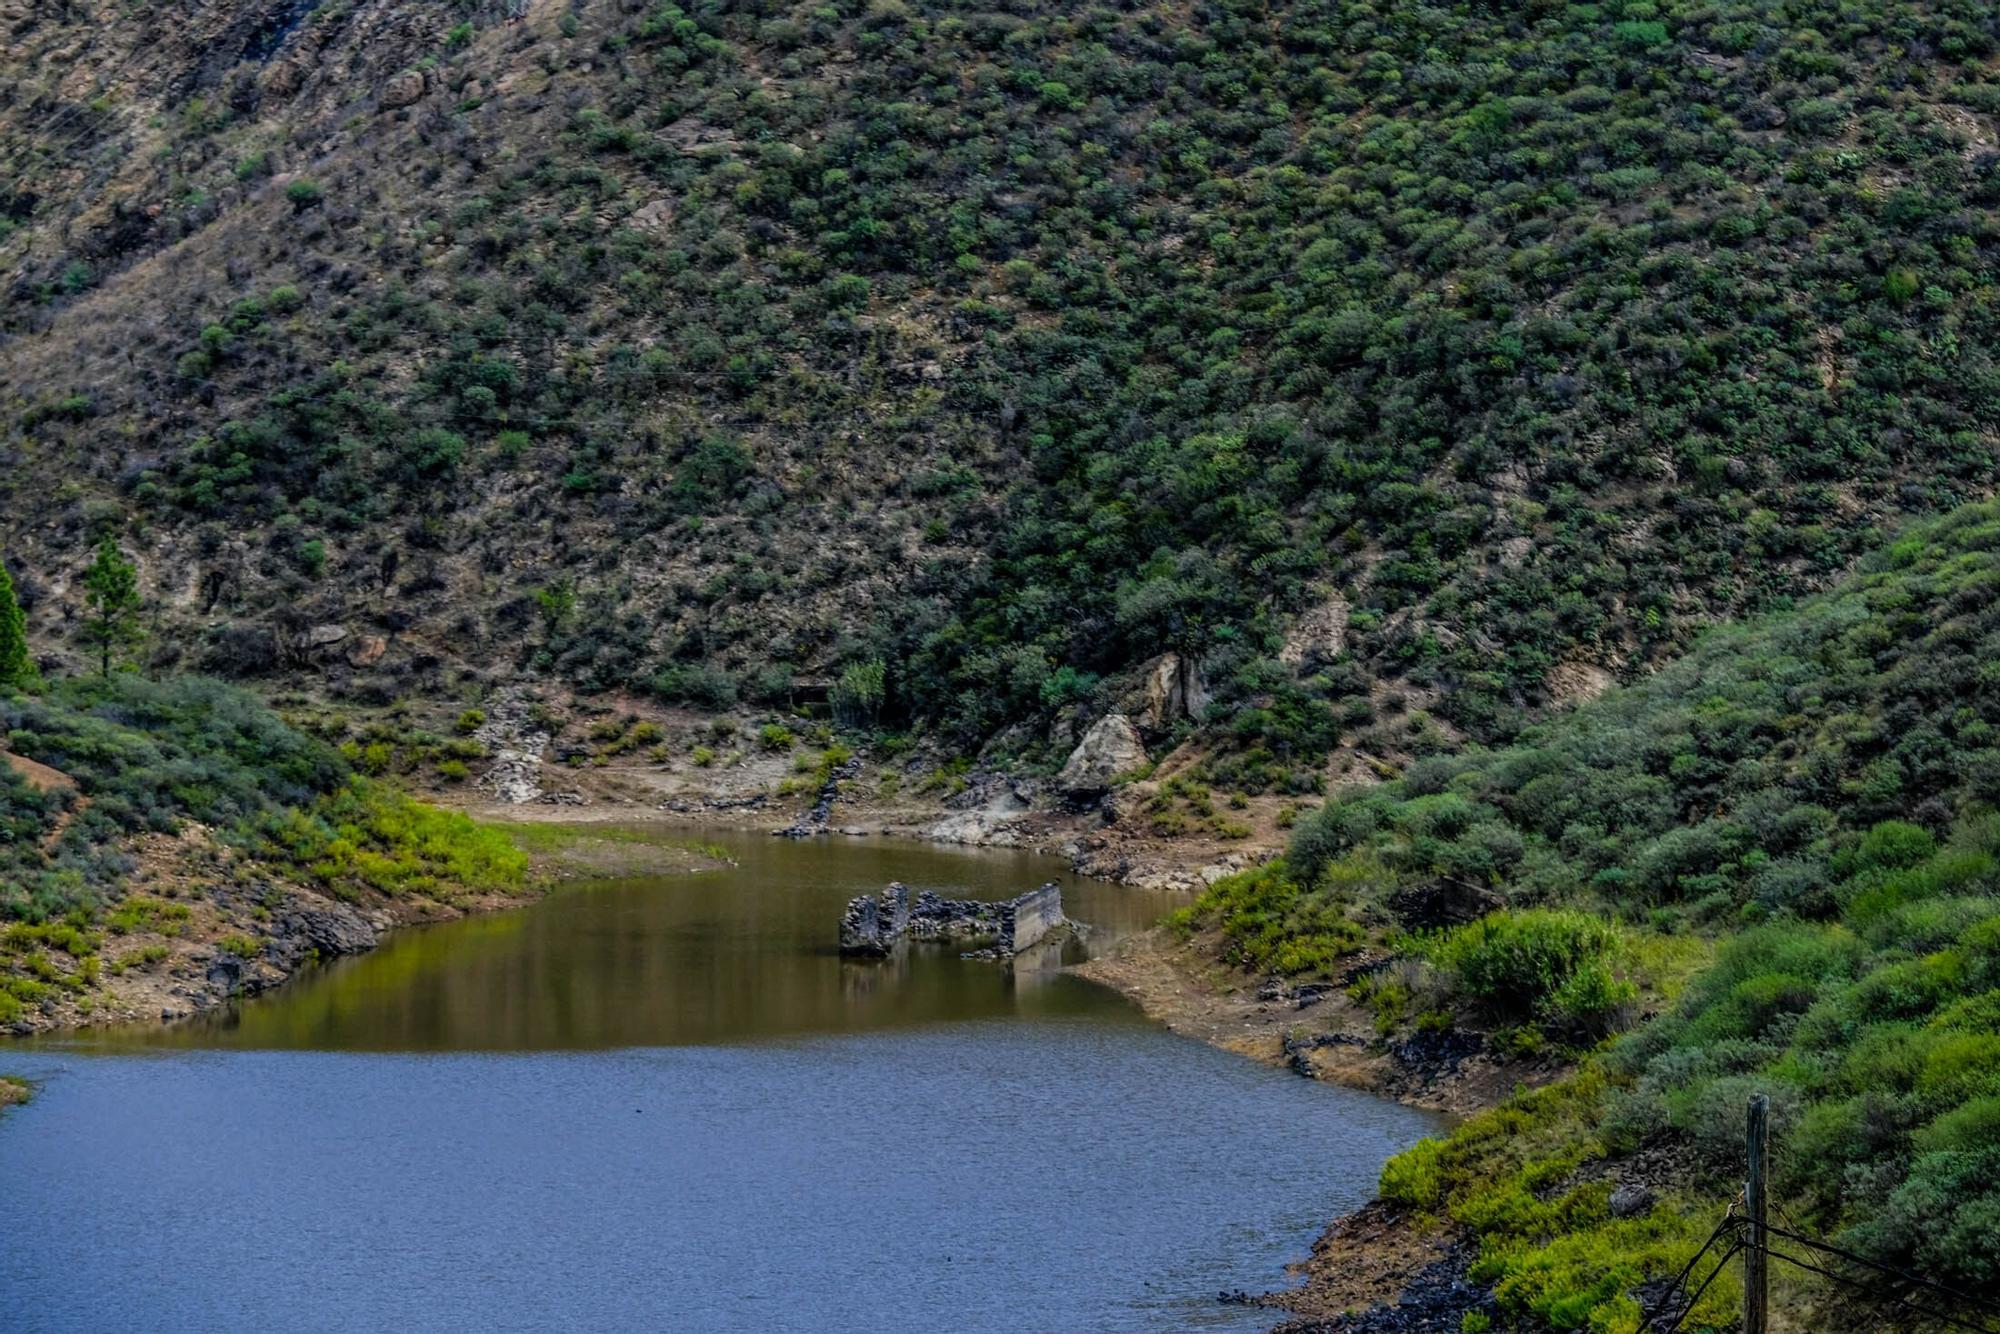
721,956
667,1103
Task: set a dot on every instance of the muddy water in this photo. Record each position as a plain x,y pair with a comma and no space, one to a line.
666,1103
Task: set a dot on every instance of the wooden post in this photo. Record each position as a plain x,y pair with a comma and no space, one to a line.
1755,1276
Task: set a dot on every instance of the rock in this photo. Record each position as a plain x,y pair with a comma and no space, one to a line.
1578,682
1174,690
1630,1200
1310,994
653,216
1109,748
324,636
984,812
330,930
402,90
233,975
368,651
1319,636
283,79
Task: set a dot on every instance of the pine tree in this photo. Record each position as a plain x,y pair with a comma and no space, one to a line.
17,669
111,599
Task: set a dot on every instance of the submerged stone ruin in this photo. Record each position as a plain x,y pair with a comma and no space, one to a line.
871,927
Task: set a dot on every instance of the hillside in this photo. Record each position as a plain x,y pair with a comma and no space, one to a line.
1388,362
1809,795
167,846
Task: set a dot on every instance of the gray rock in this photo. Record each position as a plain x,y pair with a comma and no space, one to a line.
330,930
1631,1200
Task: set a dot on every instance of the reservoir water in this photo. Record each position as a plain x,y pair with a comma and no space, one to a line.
667,1104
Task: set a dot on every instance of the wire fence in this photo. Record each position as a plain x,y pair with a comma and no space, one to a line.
1884,1285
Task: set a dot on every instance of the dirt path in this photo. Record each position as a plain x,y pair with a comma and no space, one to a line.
43,779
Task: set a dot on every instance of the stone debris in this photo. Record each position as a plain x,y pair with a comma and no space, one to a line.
815,821
983,812
511,736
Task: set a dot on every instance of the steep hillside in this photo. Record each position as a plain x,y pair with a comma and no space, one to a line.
1813,794
1010,346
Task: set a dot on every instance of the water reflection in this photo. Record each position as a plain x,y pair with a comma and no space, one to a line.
740,954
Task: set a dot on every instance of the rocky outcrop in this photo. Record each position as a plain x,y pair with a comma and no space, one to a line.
1319,636
1110,748
1174,690
327,929
403,90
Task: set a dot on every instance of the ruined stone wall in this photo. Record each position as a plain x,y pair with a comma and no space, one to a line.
872,926
1029,917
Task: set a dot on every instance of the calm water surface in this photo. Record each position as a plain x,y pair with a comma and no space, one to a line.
668,1104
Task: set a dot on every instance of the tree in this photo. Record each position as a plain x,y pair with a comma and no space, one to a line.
17,669
111,600
557,603
857,697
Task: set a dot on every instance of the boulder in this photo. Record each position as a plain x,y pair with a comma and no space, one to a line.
1111,747
1630,1200
331,930
325,636
402,90
654,215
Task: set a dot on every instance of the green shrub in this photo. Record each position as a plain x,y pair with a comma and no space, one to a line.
1524,965
1271,925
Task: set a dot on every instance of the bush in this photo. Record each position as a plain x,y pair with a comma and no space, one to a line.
1271,925
1524,965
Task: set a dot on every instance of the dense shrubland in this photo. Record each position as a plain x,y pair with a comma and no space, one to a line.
1812,794
1076,336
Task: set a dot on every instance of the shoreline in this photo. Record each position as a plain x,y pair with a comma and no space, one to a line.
1368,1260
